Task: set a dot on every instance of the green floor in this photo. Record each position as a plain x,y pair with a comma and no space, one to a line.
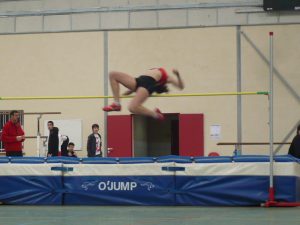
72,215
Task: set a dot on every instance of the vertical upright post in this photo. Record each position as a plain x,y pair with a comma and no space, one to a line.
271,188
239,89
105,88
1,126
38,136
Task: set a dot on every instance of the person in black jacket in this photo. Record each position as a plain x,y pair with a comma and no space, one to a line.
64,145
295,146
53,139
94,143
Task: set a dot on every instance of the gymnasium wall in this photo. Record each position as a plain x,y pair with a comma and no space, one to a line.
72,64
36,16
286,83
53,64
204,57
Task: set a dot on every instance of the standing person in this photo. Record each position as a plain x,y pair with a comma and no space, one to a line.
64,146
94,143
154,80
295,146
13,135
53,139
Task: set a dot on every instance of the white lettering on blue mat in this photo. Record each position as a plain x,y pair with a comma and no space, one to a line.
116,185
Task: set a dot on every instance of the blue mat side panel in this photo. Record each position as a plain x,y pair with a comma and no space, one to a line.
163,183
231,190
298,189
31,190
286,188
31,184
119,190
157,190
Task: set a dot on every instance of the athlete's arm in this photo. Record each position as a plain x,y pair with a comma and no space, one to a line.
176,82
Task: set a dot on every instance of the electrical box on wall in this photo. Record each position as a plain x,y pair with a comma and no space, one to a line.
281,5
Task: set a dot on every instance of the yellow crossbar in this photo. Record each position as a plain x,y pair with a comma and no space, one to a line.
162,95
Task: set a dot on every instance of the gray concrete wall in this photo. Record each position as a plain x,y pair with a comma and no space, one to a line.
30,16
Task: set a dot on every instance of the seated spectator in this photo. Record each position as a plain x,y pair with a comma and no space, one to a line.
71,152
295,146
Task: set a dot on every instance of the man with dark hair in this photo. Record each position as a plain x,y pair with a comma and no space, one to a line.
295,146
71,151
94,143
53,139
13,135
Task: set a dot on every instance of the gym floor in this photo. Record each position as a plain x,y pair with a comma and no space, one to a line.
121,215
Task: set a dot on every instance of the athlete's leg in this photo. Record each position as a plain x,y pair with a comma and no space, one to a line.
136,107
117,78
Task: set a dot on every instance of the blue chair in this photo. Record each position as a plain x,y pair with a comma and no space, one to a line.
27,160
99,160
286,158
174,158
213,159
251,158
4,159
63,159
136,160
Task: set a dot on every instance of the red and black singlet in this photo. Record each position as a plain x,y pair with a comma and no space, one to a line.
164,76
151,84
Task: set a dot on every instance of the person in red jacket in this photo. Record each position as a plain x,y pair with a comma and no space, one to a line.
13,135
